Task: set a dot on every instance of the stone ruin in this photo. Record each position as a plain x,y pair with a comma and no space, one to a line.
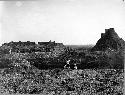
109,40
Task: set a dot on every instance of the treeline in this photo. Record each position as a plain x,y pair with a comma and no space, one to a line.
57,57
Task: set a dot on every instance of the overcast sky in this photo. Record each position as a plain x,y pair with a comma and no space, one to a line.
68,21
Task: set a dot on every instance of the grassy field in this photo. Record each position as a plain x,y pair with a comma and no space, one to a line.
62,81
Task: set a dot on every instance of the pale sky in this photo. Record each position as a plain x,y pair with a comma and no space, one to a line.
75,22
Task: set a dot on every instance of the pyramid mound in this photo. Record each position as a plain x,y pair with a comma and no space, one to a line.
109,39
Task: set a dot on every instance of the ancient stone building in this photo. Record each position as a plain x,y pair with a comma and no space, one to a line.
109,39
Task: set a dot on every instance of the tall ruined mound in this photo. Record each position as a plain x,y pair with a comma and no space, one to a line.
109,40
